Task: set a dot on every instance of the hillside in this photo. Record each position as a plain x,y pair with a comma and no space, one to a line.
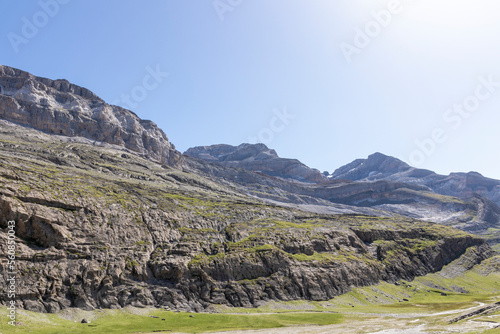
101,227
109,223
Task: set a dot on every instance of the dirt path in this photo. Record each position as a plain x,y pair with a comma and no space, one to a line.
470,309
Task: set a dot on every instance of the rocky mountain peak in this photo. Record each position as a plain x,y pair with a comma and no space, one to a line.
223,152
376,166
379,166
62,108
18,79
256,158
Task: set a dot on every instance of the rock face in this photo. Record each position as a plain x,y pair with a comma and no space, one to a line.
59,107
256,158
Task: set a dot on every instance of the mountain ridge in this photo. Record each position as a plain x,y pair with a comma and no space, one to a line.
102,228
378,184
257,158
382,167
61,108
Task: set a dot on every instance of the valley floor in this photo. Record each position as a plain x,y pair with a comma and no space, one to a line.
290,318
387,324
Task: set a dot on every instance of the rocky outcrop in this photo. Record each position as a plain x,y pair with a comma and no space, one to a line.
256,158
59,107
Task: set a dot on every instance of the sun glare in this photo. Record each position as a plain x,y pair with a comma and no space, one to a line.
454,14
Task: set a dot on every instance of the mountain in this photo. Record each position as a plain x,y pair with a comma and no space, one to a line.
379,186
382,167
108,214
377,167
256,158
59,107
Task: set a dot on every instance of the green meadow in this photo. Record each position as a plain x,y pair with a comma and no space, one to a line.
125,321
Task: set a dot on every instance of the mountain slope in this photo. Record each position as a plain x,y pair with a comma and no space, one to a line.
408,196
65,109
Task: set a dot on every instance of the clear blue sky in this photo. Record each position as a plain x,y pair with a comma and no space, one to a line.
356,76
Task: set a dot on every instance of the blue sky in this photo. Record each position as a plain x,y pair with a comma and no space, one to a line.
322,81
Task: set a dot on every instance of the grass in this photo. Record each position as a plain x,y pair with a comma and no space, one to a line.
123,322
328,257
401,300
433,196
482,280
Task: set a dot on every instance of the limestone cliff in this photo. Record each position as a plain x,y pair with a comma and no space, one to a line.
59,107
